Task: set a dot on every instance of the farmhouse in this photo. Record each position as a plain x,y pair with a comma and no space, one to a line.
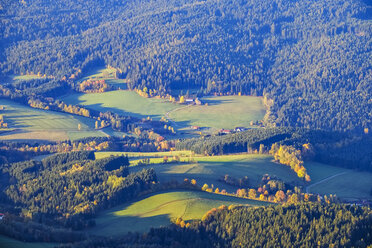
240,129
225,131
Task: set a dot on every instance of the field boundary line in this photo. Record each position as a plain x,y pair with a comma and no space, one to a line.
324,180
164,204
173,110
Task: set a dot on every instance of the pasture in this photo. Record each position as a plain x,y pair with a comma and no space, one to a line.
122,102
24,77
159,209
100,155
6,242
237,110
36,124
211,169
107,74
325,179
345,183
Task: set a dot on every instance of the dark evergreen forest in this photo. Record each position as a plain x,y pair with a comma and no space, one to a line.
312,60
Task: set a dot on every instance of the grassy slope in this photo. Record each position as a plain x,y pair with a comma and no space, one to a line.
347,184
208,170
24,77
158,209
107,74
143,154
6,242
44,125
122,102
236,111
239,111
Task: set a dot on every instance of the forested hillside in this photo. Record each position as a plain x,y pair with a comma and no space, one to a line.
311,59
308,225
70,185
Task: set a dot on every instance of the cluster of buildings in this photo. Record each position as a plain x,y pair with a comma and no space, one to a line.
235,130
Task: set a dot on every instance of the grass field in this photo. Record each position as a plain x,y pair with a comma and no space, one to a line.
346,184
210,169
35,124
236,110
107,74
123,102
159,209
144,154
325,179
24,77
239,110
6,242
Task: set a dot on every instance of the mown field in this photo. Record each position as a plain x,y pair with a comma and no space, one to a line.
36,124
209,169
159,209
6,242
122,102
236,111
107,74
325,179
239,110
346,184
24,77
144,154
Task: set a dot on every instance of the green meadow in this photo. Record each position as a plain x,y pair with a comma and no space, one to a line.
210,170
237,110
36,124
122,102
100,155
6,242
346,184
24,77
160,209
325,179
107,74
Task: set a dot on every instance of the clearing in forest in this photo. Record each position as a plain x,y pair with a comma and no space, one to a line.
159,209
237,110
325,179
107,74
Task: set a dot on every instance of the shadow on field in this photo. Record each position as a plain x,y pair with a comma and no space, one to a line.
212,102
111,225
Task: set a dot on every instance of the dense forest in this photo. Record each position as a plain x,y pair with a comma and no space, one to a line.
304,225
73,185
311,60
